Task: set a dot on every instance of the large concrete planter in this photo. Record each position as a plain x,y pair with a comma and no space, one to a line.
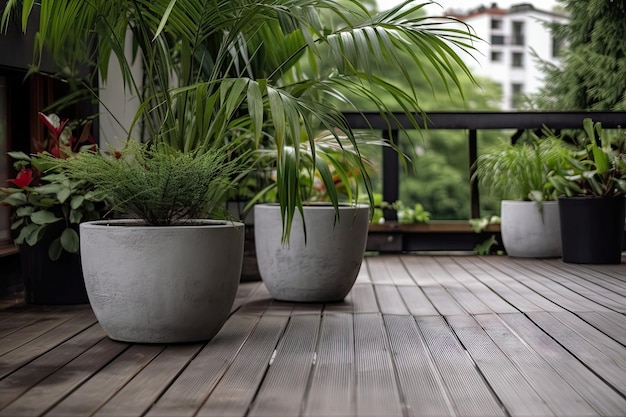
530,231
322,269
165,284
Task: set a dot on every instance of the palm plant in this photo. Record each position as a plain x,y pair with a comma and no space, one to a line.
263,72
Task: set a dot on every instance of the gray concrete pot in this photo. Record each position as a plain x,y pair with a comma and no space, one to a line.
165,284
324,268
530,232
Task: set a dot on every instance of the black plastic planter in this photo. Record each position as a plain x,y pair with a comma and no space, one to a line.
592,229
51,282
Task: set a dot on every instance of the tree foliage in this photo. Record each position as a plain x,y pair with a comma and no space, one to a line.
593,71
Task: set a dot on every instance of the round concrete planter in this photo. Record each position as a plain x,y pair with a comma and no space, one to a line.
164,284
529,231
324,268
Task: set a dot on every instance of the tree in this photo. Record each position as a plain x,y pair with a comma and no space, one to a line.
593,73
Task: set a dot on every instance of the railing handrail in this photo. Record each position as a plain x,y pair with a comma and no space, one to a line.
392,123
479,120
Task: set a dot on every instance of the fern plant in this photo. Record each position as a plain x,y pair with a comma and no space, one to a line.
159,184
520,171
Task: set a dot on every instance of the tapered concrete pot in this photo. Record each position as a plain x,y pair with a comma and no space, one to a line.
529,230
165,284
322,269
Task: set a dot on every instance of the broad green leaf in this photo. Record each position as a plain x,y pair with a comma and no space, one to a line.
70,240
24,211
36,235
15,200
44,217
48,188
17,224
77,201
76,216
64,194
18,155
55,249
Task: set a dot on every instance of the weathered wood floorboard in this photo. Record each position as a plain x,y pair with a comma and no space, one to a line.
417,336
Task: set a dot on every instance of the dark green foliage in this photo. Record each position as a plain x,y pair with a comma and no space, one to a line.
158,184
593,74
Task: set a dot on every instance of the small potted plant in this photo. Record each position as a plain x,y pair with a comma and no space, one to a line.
518,173
591,187
319,260
48,208
168,270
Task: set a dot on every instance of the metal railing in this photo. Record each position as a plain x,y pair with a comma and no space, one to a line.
472,122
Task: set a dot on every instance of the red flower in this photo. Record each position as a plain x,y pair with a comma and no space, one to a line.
23,178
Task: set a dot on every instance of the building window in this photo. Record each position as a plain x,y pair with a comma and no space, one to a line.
496,56
517,91
496,24
497,40
518,33
517,60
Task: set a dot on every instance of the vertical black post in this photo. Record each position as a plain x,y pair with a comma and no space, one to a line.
474,195
391,167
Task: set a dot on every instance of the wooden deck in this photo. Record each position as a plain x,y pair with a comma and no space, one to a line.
417,336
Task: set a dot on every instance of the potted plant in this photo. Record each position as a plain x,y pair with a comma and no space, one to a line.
271,68
320,259
591,187
163,273
48,208
518,173
268,74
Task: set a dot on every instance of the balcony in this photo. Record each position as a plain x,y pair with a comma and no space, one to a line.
418,335
455,235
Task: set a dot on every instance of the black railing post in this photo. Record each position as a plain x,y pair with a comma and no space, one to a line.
473,155
391,172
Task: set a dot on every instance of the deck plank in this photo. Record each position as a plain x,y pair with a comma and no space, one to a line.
93,394
283,391
236,390
28,376
47,393
136,397
559,395
421,386
506,285
419,335
191,389
508,383
376,387
470,394
611,324
332,390
33,330
604,356
29,351
390,300
602,397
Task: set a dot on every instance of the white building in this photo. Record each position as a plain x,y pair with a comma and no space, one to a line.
510,37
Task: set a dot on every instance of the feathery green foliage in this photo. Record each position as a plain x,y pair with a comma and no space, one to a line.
158,184
593,71
520,171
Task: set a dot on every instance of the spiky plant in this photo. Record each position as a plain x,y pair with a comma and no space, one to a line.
157,183
520,171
